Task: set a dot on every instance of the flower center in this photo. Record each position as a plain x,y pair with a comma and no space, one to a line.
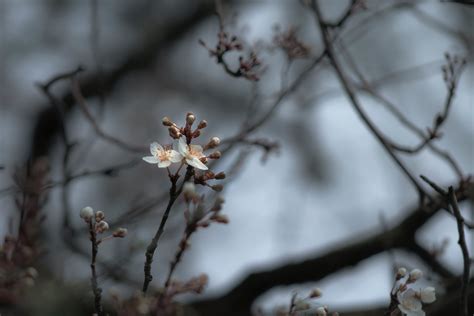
194,153
163,155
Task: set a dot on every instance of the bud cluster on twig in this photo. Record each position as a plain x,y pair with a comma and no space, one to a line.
249,67
405,298
291,45
305,305
184,151
97,225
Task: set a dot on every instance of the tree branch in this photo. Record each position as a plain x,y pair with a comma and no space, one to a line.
239,300
48,122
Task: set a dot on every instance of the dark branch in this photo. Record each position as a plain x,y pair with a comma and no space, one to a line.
239,300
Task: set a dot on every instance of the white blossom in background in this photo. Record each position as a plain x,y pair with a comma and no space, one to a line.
409,303
428,295
415,274
409,299
161,156
321,311
192,154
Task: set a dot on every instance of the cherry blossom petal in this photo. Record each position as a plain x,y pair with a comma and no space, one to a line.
175,156
196,149
155,148
183,147
428,294
409,312
151,159
196,163
164,164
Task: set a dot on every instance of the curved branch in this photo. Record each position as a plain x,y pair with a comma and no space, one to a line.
239,300
48,122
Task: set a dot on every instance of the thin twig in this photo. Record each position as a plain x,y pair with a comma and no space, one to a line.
76,91
95,287
465,252
355,102
450,197
150,250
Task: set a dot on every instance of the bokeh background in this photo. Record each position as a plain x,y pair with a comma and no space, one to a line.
329,182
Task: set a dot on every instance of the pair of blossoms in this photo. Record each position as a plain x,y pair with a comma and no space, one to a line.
410,300
191,154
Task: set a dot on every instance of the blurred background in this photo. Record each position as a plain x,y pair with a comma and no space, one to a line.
328,183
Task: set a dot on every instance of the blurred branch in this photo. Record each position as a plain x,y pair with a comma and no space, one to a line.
370,89
239,300
464,249
430,260
79,98
355,101
110,171
450,197
48,123
345,16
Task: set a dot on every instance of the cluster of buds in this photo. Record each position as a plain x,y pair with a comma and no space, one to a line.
225,43
451,74
96,221
194,285
249,68
29,275
306,305
288,41
408,300
196,213
165,304
136,305
183,151
452,70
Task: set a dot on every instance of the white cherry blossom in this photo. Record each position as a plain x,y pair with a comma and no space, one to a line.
409,303
161,156
191,154
428,295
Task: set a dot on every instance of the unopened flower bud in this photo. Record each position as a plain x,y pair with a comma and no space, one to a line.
189,191
31,272
120,232
219,218
196,134
215,155
202,124
214,142
218,204
174,132
28,281
190,118
99,216
220,176
217,187
87,213
401,273
167,121
415,274
316,293
101,227
321,311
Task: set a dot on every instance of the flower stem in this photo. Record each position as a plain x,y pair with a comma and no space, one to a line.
95,287
150,250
